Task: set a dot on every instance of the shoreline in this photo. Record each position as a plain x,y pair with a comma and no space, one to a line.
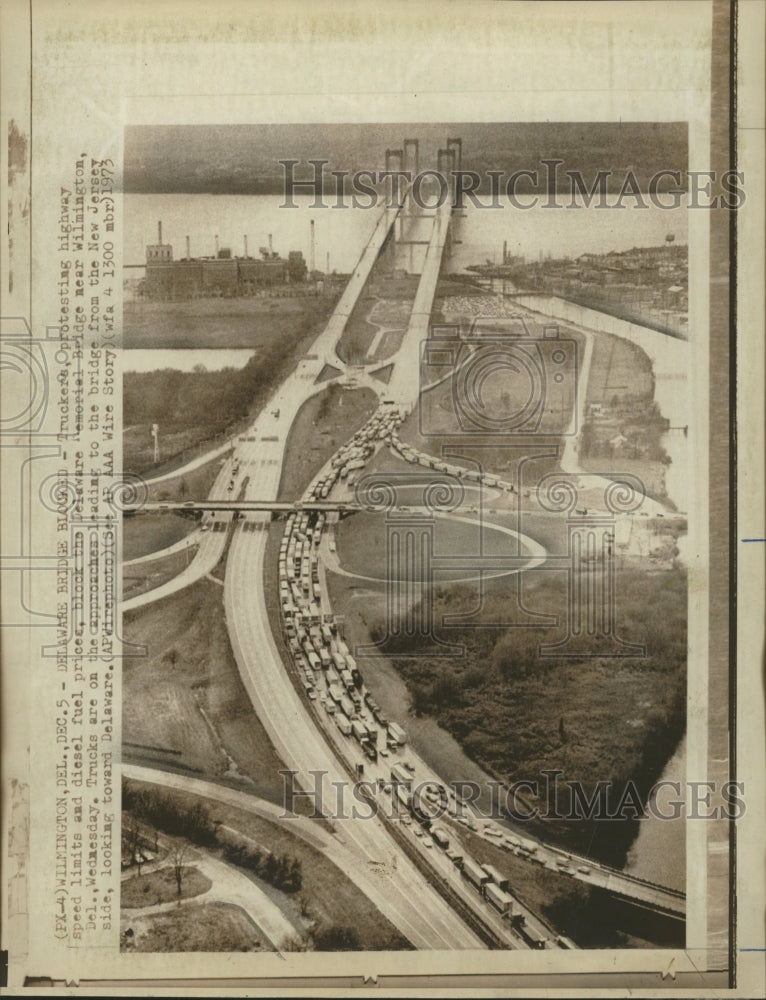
669,357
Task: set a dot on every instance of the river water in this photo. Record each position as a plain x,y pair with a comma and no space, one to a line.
659,851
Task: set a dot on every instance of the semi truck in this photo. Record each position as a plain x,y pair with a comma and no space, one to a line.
499,899
347,706
527,845
336,693
343,724
397,733
404,797
372,733
348,680
500,880
358,729
400,773
379,716
475,874
532,936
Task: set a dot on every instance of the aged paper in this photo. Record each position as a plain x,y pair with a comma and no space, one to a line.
381,460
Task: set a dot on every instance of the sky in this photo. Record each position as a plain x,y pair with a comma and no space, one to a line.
244,159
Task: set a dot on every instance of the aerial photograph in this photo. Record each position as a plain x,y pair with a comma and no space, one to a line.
409,407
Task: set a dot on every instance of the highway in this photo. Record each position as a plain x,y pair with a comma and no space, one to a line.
415,906
304,741
412,904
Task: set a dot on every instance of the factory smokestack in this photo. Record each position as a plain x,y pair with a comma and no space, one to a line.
505,251
216,244
188,249
328,264
159,233
245,245
312,266
271,247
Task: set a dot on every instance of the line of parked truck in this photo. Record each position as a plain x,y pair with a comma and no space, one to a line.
490,883
347,462
328,670
330,673
412,455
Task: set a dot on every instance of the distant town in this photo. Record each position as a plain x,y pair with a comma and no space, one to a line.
647,285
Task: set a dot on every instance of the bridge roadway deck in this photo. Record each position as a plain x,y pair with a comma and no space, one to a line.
237,506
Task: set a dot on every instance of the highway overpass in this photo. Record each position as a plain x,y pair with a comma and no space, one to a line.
242,506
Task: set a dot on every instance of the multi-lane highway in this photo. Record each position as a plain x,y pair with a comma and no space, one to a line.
305,742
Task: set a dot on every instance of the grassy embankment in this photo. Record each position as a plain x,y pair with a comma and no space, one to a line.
190,670
340,915
144,534
595,717
191,485
198,409
386,301
325,422
154,573
156,887
212,927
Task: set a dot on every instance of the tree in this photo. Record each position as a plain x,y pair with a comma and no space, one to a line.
337,938
294,877
270,869
179,853
131,835
171,656
294,943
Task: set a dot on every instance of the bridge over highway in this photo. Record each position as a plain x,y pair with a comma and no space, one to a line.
244,506
655,897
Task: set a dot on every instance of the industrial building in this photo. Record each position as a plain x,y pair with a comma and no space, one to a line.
219,275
